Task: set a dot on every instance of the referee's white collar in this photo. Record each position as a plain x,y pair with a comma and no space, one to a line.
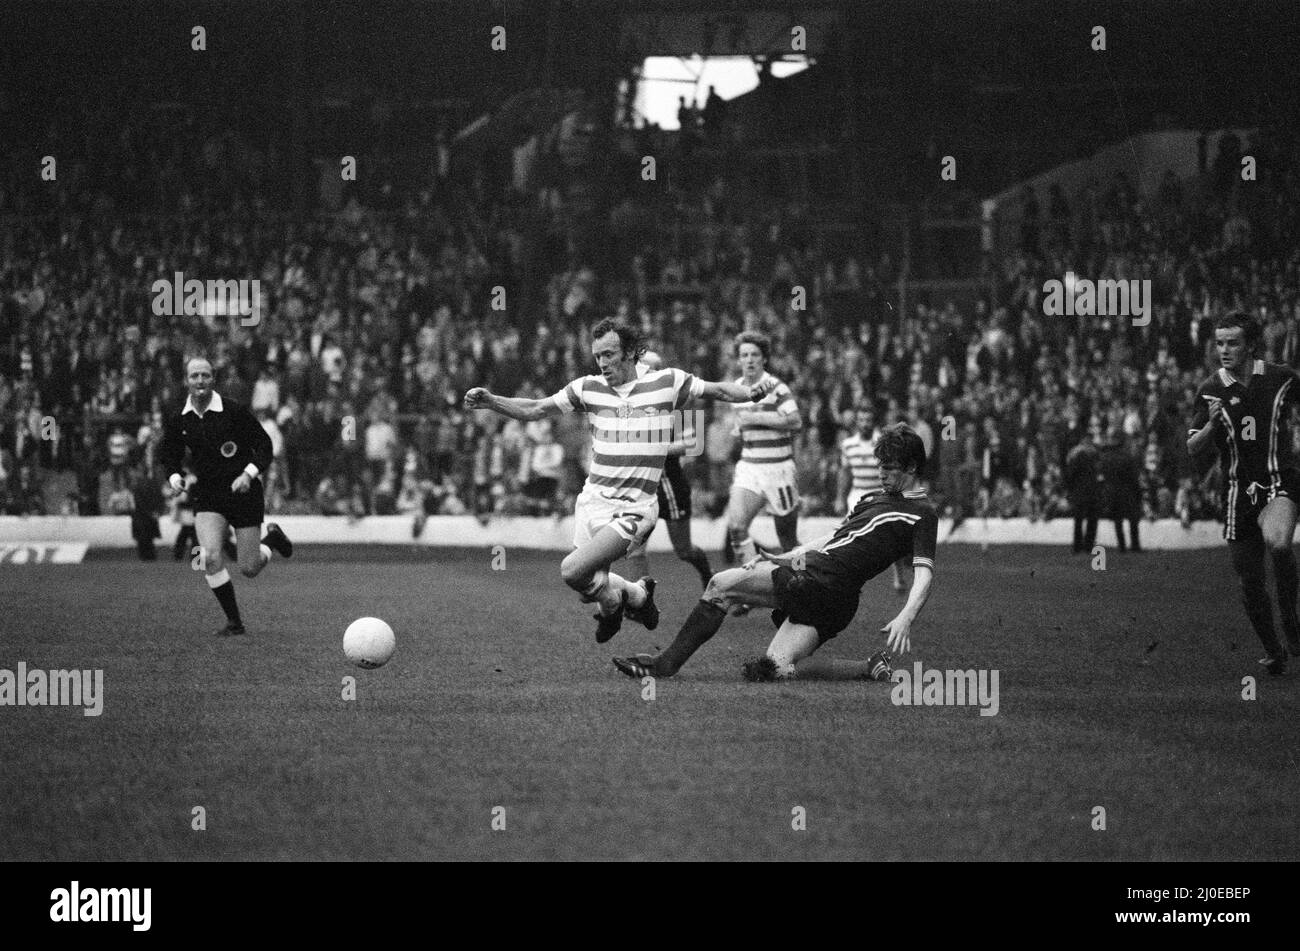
1228,379
214,405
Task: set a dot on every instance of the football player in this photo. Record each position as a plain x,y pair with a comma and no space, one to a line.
674,495
765,474
860,470
618,505
1243,411
814,589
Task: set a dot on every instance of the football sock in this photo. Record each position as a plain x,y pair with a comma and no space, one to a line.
1284,570
700,562
224,589
702,624
602,593
1248,562
742,545
638,564
636,593
266,554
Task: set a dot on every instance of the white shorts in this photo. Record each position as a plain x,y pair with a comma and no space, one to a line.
776,481
633,521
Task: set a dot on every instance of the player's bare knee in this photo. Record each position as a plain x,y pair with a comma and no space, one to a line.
250,571
719,587
213,562
574,574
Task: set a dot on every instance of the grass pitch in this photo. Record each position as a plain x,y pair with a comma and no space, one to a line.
1119,688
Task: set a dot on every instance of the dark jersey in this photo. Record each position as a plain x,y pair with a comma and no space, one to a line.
222,442
881,529
1255,441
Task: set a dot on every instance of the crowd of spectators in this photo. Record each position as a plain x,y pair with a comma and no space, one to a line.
382,307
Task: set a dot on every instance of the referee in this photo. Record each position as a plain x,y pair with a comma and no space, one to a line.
229,450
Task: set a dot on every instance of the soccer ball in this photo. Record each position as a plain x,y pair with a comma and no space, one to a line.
369,642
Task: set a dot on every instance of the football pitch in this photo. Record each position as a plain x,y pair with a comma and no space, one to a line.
1119,689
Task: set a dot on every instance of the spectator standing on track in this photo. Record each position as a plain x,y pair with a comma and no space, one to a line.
147,505
1122,490
1081,482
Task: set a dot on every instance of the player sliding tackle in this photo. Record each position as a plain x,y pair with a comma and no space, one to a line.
814,589
631,425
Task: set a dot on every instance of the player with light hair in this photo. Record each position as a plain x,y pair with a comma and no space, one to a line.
765,474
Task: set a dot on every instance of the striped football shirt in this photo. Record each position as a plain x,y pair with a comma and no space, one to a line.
631,427
762,443
685,438
858,455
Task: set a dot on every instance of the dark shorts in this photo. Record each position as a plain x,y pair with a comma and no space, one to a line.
674,491
803,600
541,489
1245,525
246,510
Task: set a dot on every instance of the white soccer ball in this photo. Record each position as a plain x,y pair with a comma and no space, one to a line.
369,642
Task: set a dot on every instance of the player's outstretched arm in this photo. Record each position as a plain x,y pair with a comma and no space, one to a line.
738,392
899,630
516,407
774,419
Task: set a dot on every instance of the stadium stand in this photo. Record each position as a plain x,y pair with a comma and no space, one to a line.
380,315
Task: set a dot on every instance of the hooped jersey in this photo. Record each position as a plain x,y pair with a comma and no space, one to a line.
631,427
858,455
765,444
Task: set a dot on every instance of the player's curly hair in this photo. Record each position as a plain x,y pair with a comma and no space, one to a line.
629,339
1250,328
900,445
757,339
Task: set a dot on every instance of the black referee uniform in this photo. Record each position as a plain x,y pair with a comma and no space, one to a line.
225,441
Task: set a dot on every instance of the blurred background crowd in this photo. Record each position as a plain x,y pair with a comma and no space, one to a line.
395,293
